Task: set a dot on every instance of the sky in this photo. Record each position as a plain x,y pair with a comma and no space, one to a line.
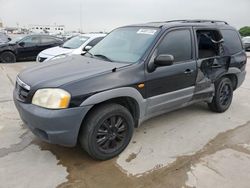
105,15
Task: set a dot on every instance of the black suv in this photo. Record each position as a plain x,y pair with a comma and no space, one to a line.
135,73
26,47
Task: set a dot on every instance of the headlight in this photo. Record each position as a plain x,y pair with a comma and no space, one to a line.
59,57
51,98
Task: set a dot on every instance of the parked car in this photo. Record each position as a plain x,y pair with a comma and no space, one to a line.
246,42
135,73
76,45
4,38
26,47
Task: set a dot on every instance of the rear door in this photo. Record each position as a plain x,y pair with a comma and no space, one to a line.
172,86
48,42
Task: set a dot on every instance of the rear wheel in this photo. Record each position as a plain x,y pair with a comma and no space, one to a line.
107,131
8,57
223,95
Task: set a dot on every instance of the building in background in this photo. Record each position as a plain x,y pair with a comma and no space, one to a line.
50,29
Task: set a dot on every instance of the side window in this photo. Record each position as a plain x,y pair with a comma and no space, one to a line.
208,43
177,43
31,41
232,41
47,40
95,41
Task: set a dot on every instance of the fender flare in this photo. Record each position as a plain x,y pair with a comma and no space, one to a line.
233,70
115,93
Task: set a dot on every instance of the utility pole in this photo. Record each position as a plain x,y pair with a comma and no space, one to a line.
81,16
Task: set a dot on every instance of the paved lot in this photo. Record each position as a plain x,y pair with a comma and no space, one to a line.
191,147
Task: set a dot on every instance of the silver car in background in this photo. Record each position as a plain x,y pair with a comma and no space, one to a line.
246,42
76,45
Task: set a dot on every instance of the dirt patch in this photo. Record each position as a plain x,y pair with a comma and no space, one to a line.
131,157
87,173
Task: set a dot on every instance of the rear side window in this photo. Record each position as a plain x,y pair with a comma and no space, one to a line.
177,43
208,43
48,40
232,41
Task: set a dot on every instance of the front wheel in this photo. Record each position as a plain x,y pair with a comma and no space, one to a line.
107,131
7,57
223,95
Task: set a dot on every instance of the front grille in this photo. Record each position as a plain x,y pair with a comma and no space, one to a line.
22,93
41,59
22,90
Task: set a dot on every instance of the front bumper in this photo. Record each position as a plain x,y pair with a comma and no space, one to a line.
53,126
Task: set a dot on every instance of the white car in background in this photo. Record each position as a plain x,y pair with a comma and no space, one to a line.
76,45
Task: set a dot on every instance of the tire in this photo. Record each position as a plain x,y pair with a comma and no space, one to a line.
223,95
7,57
107,131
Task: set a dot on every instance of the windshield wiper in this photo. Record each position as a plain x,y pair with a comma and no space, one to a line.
86,52
103,57
66,47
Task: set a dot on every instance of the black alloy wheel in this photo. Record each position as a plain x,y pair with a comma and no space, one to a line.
7,57
106,131
111,134
223,95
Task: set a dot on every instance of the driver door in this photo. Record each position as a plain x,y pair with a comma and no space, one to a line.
171,86
29,47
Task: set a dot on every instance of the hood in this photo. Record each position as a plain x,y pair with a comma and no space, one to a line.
66,70
55,51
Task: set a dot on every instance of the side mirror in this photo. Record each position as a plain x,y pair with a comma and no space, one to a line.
87,48
164,60
22,44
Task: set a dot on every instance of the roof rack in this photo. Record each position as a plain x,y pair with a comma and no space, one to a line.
197,21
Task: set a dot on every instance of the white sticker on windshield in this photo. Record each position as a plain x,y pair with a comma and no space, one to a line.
147,31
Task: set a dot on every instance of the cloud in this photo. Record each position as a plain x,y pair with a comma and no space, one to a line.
99,15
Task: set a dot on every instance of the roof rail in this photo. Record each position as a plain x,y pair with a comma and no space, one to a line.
198,21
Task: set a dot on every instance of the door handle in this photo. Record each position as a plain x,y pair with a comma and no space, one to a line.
188,71
216,66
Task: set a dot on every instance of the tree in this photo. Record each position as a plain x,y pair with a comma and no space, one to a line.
245,31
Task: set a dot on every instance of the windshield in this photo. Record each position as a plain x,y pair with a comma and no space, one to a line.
75,42
126,44
246,40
